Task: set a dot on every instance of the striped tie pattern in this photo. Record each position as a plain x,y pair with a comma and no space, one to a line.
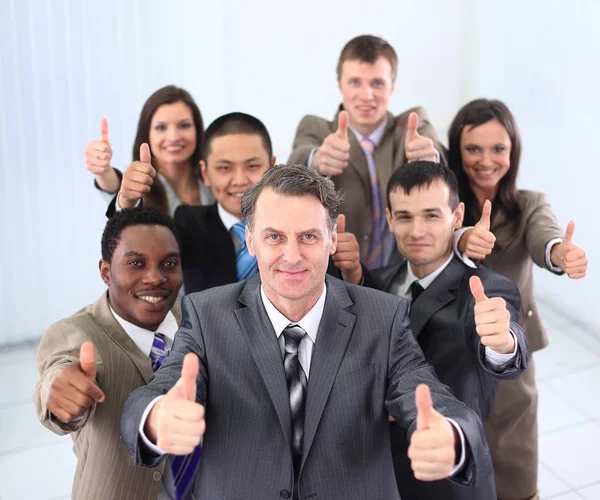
183,467
245,264
296,381
376,249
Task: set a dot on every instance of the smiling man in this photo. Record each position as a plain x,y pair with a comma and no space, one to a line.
292,374
91,361
365,143
464,318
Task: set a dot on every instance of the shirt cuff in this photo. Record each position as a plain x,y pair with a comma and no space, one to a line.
437,156
118,207
151,446
310,157
462,256
499,361
549,264
463,456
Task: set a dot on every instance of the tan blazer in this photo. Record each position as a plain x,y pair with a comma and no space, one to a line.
517,249
354,182
104,468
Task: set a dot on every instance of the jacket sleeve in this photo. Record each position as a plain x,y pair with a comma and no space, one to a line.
58,349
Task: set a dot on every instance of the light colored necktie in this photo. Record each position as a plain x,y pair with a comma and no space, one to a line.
375,258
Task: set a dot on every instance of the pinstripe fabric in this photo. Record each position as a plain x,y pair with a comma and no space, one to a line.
365,363
104,469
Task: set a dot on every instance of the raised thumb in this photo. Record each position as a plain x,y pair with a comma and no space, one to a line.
87,359
424,406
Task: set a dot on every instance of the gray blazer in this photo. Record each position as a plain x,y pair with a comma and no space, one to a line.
365,364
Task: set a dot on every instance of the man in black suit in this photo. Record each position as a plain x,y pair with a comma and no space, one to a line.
464,318
237,152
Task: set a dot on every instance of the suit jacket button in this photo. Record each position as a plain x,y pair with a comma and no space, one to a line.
529,313
366,237
284,494
156,476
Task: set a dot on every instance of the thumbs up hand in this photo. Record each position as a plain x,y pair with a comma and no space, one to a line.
478,242
432,449
492,319
176,422
137,179
99,153
568,256
334,154
418,147
74,389
347,253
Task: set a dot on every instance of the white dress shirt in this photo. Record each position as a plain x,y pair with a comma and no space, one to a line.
143,339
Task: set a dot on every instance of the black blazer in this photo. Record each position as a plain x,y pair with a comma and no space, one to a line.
443,322
208,253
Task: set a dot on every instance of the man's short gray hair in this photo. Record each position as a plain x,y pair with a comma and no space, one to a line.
293,180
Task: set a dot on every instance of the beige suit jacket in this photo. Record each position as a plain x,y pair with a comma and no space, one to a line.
354,182
518,248
104,468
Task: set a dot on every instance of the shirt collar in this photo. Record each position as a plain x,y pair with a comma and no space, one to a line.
228,220
143,338
309,323
430,278
375,136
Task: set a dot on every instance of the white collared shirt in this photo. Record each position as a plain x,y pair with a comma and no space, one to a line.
375,136
309,323
143,339
228,220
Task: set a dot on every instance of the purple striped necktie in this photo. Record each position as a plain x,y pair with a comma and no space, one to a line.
183,467
375,258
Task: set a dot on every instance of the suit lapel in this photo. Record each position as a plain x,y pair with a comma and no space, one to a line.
437,295
358,161
103,316
335,330
264,347
384,153
388,274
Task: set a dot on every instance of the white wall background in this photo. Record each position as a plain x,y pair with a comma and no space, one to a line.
66,64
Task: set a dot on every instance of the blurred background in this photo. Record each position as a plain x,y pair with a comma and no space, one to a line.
65,64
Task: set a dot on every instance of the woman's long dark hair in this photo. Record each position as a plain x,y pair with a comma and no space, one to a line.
473,114
157,197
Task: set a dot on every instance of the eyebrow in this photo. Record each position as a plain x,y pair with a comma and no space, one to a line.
273,230
426,210
133,253
223,160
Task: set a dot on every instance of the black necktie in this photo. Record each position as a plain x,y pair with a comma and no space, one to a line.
296,381
415,290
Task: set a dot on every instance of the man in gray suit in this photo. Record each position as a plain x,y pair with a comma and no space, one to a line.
293,375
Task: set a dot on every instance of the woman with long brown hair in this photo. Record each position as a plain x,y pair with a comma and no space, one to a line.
171,124
484,153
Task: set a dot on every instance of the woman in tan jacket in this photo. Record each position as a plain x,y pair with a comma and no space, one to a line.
484,153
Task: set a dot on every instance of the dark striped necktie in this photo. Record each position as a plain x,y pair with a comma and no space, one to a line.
296,381
183,467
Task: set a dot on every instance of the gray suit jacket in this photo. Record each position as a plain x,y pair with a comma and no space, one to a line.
104,469
365,364
354,183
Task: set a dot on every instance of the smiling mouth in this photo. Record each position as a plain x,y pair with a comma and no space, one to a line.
152,299
173,149
236,195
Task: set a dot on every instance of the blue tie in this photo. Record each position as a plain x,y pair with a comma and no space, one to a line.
183,467
245,264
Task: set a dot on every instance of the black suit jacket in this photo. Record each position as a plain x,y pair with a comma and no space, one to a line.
443,323
208,253
365,364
